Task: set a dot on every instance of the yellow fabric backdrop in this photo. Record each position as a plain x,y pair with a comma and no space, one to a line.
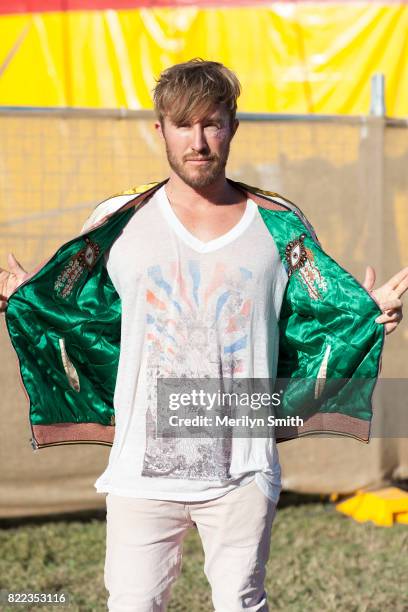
291,58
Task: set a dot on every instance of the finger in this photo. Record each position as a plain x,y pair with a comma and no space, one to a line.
14,265
401,288
386,318
397,303
390,327
369,279
398,278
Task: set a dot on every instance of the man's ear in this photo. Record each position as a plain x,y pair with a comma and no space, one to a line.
159,128
235,126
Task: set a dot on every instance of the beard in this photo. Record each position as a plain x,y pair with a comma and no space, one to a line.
198,177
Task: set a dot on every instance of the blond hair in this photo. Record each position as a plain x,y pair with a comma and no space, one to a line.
189,90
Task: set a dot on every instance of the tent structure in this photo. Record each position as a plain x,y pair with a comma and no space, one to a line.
291,57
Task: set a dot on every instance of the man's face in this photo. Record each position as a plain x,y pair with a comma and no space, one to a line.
198,150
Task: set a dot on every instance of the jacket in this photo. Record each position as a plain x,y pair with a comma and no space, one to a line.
64,323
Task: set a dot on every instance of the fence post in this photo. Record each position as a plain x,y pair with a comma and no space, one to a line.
377,105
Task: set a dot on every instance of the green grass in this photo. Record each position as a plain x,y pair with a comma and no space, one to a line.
319,560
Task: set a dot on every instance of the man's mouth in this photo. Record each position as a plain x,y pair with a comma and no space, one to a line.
199,161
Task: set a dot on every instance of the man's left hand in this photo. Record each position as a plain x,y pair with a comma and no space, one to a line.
388,297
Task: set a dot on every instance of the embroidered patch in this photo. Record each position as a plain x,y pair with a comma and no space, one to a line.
300,258
296,254
85,259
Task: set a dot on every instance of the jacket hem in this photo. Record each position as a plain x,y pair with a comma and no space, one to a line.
333,423
72,433
329,423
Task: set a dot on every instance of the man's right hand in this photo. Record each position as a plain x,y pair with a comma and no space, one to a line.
10,280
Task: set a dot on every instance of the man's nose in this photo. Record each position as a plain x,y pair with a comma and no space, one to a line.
199,142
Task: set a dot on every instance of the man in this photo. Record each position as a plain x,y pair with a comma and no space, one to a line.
200,283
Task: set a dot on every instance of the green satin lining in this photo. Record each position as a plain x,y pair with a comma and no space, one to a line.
89,321
342,318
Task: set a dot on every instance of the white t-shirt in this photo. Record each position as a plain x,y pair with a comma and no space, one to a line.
191,309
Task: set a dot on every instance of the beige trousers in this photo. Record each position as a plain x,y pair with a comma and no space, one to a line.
144,549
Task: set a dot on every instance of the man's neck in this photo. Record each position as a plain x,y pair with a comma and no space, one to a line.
221,192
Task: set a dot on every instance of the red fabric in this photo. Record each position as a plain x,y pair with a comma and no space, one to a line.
43,6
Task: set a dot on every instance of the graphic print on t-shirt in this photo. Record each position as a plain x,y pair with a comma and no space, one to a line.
197,326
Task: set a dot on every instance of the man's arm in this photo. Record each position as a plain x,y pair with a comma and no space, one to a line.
10,280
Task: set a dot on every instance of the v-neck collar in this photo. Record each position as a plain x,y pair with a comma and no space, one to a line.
194,242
